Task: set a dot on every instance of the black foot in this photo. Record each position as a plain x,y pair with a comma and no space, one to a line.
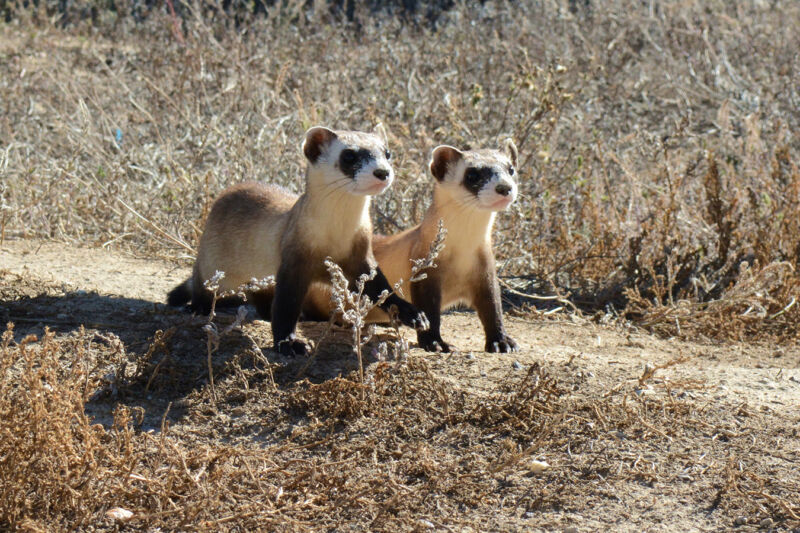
291,347
502,344
412,317
200,306
432,343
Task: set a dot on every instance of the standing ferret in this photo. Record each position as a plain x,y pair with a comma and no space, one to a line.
255,231
471,187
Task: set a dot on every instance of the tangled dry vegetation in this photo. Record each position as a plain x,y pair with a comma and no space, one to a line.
404,449
659,173
659,185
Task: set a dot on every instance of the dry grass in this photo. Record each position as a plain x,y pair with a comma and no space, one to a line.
405,448
660,185
656,139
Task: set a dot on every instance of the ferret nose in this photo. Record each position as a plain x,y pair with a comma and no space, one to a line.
503,189
381,173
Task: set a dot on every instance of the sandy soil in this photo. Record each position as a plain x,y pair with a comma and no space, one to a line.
60,286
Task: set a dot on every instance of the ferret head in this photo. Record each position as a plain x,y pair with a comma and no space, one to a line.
481,178
350,161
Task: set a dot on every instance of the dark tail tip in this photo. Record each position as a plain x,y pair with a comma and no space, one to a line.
180,295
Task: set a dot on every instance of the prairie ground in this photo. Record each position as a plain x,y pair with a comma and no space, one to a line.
650,269
107,403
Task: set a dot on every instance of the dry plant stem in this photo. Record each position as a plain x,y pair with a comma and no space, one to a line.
153,225
429,261
176,30
352,308
213,335
209,350
108,325
159,341
4,208
556,297
212,340
318,343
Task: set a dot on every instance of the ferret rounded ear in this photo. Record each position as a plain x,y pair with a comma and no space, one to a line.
316,138
380,131
441,158
511,150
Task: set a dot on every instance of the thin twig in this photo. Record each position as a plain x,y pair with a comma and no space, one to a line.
175,240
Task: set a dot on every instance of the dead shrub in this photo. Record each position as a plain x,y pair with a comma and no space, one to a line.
522,406
52,458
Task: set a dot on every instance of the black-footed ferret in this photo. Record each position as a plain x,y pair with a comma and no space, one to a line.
471,186
255,231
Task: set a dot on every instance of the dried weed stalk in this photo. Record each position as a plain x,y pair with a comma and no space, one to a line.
351,308
52,458
213,333
761,302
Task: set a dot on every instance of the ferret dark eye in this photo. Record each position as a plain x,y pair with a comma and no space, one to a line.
510,171
476,178
388,154
348,157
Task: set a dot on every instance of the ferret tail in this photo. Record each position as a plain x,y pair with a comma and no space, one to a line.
181,294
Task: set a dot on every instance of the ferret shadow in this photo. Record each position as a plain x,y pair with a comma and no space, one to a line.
129,343
154,359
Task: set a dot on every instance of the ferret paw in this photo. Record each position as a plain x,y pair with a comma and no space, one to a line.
503,344
432,343
412,317
291,347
